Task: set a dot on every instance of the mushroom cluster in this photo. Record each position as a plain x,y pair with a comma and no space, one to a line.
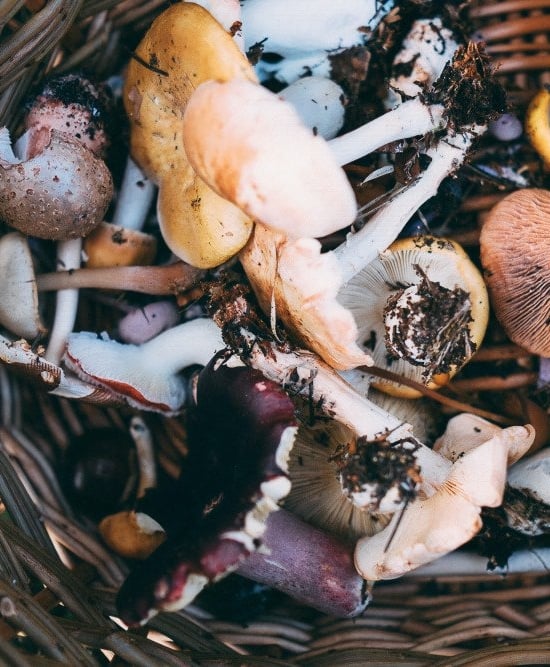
262,306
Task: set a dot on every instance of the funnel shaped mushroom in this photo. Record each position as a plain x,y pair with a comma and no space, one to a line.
513,246
146,376
441,521
265,166
19,304
183,47
224,493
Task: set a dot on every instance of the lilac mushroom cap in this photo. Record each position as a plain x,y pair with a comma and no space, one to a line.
241,429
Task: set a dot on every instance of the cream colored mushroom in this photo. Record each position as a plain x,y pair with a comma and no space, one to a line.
446,516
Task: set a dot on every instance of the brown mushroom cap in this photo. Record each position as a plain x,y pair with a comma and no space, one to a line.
113,245
514,255
184,47
61,193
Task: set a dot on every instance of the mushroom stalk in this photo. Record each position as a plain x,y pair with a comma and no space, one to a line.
143,440
339,400
146,375
155,280
134,199
66,301
467,564
311,566
409,119
363,247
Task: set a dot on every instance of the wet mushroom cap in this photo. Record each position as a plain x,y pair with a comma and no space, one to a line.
183,47
59,194
418,287
514,255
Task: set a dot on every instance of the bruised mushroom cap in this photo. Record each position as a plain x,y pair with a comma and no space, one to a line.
430,527
19,304
514,255
240,433
259,155
421,310
72,104
183,47
60,193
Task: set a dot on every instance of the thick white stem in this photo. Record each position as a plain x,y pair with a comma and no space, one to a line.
410,119
382,229
134,198
66,301
190,343
338,399
459,564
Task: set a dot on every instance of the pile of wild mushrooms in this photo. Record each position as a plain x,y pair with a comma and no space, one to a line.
275,302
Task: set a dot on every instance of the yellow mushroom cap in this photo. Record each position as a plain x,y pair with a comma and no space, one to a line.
382,305
184,47
514,255
537,124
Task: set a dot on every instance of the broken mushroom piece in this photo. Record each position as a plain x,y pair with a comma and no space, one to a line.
131,534
513,245
537,124
224,494
443,518
141,324
421,310
267,151
183,47
19,312
145,376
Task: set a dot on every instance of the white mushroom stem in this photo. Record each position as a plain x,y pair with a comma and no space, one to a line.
361,248
410,119
66,302
339,400
134,198
143,440
462,563
146,376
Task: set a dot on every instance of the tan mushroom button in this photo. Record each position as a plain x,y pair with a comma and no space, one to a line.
514,255
184,47
113,245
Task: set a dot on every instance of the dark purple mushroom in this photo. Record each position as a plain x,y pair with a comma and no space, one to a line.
241,429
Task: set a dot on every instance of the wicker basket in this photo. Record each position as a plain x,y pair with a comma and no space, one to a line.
58,581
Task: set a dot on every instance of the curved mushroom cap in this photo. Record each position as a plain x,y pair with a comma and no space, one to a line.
430,527
183,47
113,245
537,124
514,255
60,193
71,104
423,323
19,304
259,155
302,283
